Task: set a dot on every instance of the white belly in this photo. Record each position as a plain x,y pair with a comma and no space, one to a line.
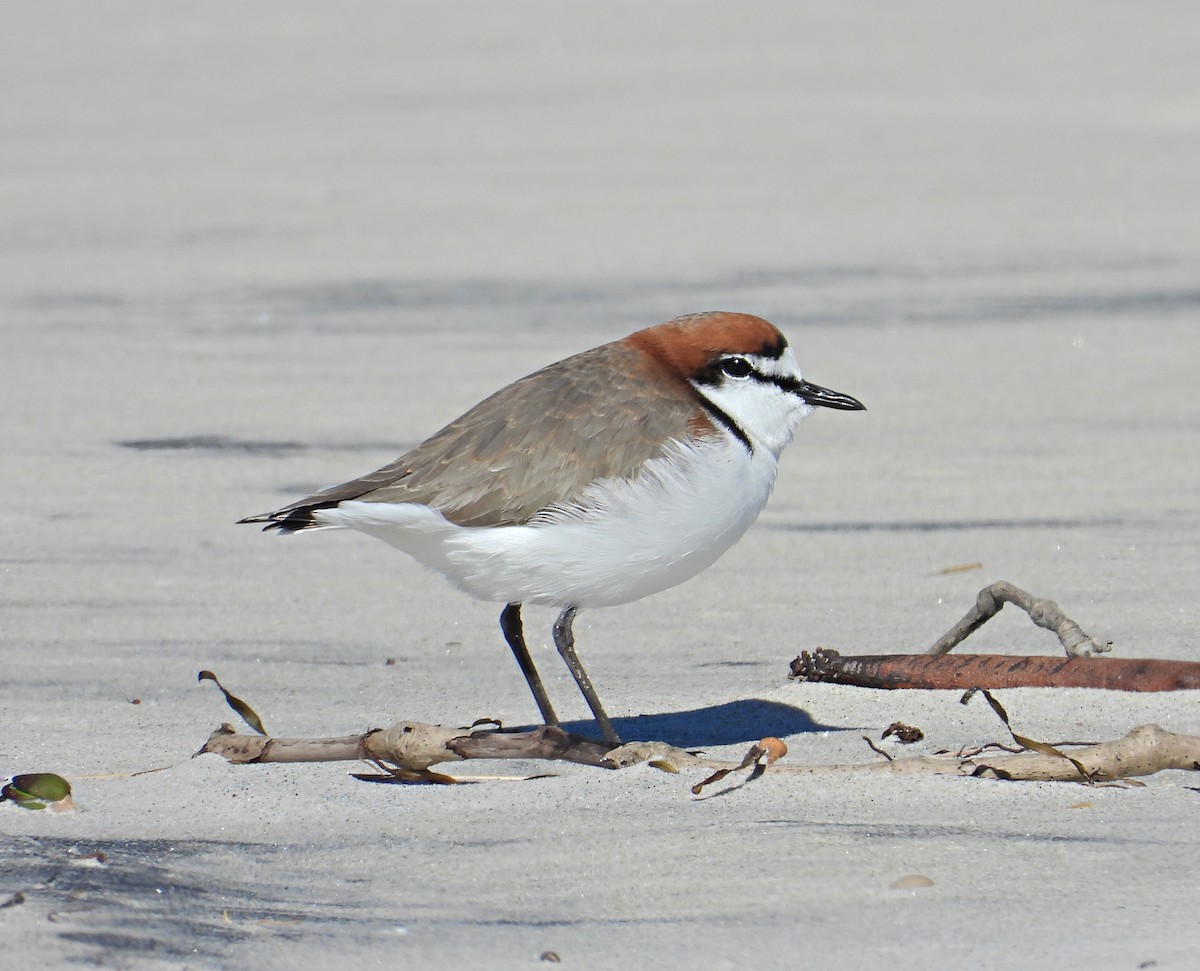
623,540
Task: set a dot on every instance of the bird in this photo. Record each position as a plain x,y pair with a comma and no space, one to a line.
598,480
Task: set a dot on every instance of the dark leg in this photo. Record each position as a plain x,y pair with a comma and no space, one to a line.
564,640
510,623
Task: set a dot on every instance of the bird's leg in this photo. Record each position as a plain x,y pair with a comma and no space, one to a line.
564,640
514,633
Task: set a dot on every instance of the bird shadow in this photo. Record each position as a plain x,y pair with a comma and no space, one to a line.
731,723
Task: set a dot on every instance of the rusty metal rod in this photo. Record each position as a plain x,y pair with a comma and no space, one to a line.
961,671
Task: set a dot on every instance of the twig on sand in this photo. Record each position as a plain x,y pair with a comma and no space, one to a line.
409,750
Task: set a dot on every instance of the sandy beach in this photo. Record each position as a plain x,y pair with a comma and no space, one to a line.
252,250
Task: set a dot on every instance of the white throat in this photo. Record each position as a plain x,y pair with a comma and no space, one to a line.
766,413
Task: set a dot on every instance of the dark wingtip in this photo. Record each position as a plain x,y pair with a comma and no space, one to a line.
284,526
290,520
271,519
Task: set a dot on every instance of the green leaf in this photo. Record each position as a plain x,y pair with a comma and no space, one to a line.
36,790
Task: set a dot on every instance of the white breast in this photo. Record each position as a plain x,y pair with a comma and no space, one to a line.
622,540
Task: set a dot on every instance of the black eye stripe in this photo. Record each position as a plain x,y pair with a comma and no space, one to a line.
741,368
786,383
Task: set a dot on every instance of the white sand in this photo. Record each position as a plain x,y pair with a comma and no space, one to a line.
339,226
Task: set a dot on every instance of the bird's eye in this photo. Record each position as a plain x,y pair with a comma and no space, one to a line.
736,367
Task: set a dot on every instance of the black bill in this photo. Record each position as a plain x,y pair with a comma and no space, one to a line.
820,397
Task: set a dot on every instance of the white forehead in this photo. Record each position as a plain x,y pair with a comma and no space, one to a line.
785,365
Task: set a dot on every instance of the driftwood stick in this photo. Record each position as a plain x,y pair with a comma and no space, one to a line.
1044,613
1146,750
413,746
546,742
246,749
994,671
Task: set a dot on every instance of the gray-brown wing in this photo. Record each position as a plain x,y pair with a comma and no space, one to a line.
540,440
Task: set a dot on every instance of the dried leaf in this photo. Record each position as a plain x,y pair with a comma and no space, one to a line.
715,777
249,716
761,754
402,776
1042,748
904,734
663,766
486,721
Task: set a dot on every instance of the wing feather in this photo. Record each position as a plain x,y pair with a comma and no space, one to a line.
540,440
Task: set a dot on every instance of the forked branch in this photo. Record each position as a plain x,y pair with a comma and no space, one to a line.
1045,613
